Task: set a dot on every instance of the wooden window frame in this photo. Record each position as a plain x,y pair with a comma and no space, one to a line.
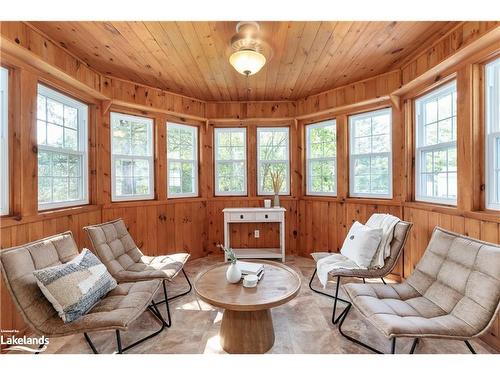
448,85
150,158
288,160
4,143
83,119
245,162
370,113
195,162
490,161
307,128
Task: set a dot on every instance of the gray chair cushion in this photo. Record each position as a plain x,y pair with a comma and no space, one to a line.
453,292
115,247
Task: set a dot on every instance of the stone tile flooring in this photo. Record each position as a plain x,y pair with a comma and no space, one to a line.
303,325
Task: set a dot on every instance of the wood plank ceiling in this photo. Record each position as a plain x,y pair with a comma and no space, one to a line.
191,58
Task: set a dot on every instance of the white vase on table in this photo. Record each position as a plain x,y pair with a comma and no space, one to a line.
233,273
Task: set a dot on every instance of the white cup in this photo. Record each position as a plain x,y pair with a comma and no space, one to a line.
267,203
250,281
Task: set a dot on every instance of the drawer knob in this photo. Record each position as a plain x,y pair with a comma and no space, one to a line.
267,217
241,216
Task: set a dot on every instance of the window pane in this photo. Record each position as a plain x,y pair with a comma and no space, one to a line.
55,135
492,135
62,149
444,107
370,154
70,117
4,142
230,156
41,109
41,133
44,189
182,159
273,157
265,171
55,112
44,164
435,145
132,149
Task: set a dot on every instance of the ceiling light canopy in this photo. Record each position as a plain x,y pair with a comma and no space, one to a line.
248,49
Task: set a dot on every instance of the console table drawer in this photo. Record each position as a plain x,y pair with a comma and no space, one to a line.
243,216
264,216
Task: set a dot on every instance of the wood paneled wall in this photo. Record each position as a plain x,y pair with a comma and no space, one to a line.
368,91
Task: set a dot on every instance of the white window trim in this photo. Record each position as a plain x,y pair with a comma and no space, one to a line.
419,150
216,168
287,161
194,161
491,136
353,156
82,146
4,142
132,197
309,127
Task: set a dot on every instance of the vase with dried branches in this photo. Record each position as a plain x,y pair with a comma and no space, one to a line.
277,181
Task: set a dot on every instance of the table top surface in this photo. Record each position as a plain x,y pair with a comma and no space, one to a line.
279,285
254,209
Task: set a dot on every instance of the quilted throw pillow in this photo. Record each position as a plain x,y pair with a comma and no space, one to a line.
74,287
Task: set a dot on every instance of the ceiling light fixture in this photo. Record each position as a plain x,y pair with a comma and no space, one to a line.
247,49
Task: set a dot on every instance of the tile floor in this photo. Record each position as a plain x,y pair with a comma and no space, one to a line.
303,325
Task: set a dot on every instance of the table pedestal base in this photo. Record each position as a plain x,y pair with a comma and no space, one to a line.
247,332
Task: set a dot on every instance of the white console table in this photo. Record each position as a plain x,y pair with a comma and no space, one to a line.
255,215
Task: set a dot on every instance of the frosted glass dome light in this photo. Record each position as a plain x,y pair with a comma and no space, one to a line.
247,61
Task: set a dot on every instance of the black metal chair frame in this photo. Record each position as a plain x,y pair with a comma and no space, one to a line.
153,308
416,340
177,295
336,296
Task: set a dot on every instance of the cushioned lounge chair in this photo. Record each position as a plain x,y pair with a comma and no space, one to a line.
453,293
114,246
347,268
116,311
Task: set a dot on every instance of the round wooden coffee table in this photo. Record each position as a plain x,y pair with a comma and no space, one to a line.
247,325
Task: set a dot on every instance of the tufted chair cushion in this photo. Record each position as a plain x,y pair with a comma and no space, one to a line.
115,311
115,247
453,292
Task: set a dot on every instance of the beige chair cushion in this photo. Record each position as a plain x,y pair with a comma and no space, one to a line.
348,268
115,311
115,247
453,292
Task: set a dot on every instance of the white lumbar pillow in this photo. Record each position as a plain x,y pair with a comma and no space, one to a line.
361,244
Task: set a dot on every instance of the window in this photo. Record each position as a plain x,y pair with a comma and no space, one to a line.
436,146
321,158
4,141
273,156
62,150
493,135
131,157
230,161
182,160
370,154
